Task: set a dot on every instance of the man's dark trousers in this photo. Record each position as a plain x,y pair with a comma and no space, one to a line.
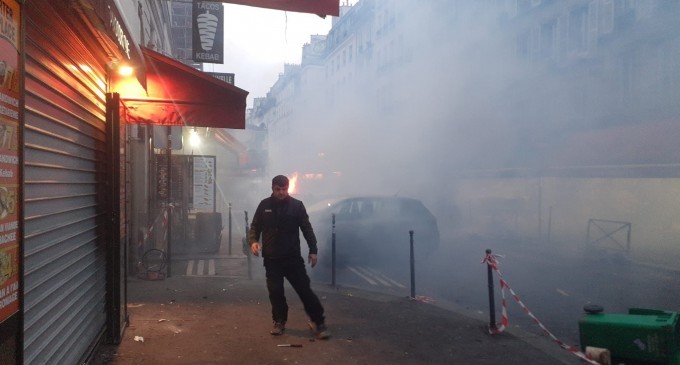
292,269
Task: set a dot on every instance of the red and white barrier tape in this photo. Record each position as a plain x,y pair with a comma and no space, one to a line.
492,261
162,215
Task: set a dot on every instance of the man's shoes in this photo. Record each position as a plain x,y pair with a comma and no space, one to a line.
279,329
320,331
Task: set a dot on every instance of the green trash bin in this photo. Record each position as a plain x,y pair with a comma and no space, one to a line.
647,335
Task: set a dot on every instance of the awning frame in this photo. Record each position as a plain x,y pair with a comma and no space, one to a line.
177,94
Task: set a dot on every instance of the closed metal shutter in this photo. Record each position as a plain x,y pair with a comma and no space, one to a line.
65,173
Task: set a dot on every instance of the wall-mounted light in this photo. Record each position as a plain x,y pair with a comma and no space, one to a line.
125,70
122,80
194,139
121,68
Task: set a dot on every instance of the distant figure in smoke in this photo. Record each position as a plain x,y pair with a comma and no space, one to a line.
279,219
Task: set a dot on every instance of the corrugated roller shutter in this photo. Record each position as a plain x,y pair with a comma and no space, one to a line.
65,163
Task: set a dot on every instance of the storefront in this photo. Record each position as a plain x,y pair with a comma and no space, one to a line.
63,251
70,174
71,294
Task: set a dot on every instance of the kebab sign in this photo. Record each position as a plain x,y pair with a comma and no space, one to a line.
208,32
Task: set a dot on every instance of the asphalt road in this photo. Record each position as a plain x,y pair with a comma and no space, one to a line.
553,285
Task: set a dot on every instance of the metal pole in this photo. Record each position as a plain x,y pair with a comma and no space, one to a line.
540,208
247,249
333,251
492,305
229,229
413,270
549,222
169,223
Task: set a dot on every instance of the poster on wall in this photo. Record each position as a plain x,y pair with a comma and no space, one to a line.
10,20
204,183
208,32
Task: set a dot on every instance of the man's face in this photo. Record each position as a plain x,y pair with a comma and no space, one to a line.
279,192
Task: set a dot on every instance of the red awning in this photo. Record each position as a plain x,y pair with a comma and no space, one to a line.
319,7
177,94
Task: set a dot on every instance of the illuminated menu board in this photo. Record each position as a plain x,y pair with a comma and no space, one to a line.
204,183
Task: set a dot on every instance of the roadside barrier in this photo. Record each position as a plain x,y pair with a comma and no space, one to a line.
153,260
163,215
495,328
413,266
246,249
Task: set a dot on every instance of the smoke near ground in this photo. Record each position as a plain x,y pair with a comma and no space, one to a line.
513,149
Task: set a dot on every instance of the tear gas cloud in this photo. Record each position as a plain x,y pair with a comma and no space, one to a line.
446,94
446,91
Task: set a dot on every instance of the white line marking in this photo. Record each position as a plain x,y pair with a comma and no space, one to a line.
190,268
211,267
199,268
362,276
368,272
385,277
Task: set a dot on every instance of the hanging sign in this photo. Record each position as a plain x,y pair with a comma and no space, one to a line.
208,32
226,77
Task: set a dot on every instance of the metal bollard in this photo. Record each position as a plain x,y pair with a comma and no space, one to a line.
413,268
229,229
333,252
492,305
247,249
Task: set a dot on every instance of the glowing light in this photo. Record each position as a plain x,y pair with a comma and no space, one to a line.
125,70
123,82
292,183
194,139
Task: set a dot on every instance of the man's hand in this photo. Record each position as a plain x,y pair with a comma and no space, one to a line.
255,248
312,259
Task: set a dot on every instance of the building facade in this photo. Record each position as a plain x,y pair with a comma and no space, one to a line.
542,114
79,193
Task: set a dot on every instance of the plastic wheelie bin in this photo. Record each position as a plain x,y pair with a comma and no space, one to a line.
649,336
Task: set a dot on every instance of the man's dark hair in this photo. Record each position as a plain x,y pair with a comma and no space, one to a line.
280,180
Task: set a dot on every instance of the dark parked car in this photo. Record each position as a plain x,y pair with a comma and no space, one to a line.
373,229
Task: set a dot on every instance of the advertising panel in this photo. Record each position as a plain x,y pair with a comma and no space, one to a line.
10,28
208,32
204,183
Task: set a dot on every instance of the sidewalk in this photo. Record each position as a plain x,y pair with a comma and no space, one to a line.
226,320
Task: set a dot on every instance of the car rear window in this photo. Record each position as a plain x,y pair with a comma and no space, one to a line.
406,208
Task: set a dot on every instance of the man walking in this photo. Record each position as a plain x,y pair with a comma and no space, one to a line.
279,220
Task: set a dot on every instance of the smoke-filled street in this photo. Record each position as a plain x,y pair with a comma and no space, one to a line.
553,285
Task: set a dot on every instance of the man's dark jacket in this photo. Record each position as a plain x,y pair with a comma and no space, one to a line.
279,222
